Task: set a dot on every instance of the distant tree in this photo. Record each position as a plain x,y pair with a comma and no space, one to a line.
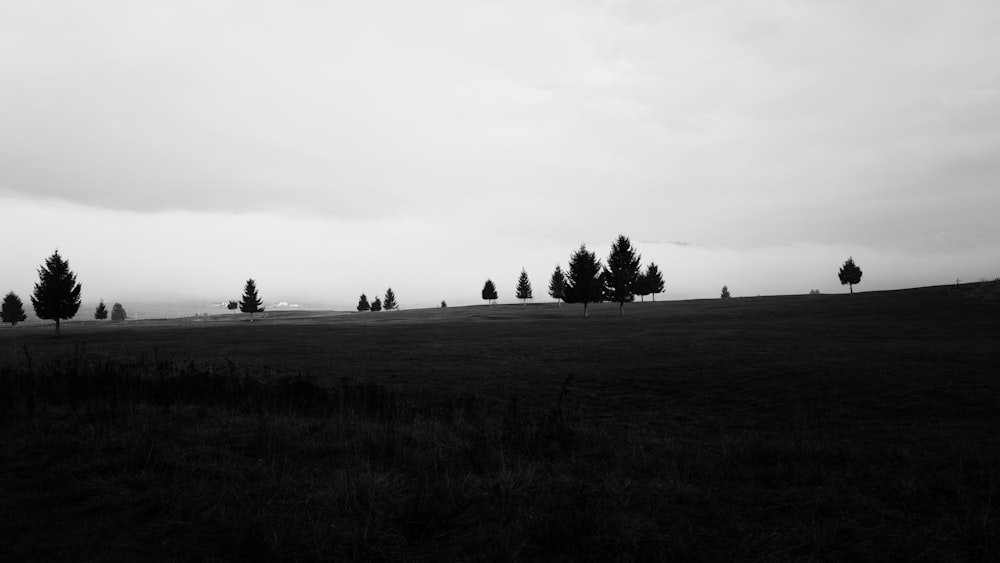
57,295
585,282
443,304
642,287
814,292
523,290
363,303
12,310
118,313
725,292
622,273
376,305
250,302
232,306
101,312
849,274
652,280
489,291
389,304
557,284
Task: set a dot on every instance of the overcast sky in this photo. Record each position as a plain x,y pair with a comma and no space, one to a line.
171,150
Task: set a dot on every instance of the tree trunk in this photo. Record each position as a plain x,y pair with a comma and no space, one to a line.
585,309
851,286
621,309
57,326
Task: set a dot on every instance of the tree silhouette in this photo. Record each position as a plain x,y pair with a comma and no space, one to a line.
118,313
389,303
12,310
725,292
376,305
57,295
622,273
232,306
585,283
489,291
523,291
849,274
363,303
250,302
652,280
101,312
557,284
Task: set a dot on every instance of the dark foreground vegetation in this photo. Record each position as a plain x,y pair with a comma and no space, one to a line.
853,427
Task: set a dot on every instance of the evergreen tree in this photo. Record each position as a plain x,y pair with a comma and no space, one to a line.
652,280
232,306
557,284
376,305
250,302
489,291
118,313
849,274
57,295
363,303
101,312
725,292
642,287
622,273
389,303
12,310
523,290
585,282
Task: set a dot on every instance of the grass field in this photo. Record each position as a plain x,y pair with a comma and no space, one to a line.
821,427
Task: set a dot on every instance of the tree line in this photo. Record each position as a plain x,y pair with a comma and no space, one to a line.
56,295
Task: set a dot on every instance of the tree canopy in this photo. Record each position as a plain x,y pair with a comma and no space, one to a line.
251,303
489,291
376,305
363,303
849,274
725,292
232,305
57,295
622,273
12,310
585,282
389,303
101,312
557,284
118,314
523,290
652,281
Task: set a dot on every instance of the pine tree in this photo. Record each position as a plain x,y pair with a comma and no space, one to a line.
585,282
622,273
363,303
250,302
376,305
101,312
523,290
118,313
849,274
389,303
12,310
652,280
489,291
57,295
725,292
557,284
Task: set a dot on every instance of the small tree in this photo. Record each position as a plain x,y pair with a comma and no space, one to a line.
725,293
376,305
118,313
622,273
652,280
12,310
101,312
57,295
363,303
523,290
489,291
250,302
585,283
849,274
444,304
389,303
557,285
642,287
232,306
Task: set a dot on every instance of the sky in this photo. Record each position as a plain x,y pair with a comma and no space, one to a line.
172,150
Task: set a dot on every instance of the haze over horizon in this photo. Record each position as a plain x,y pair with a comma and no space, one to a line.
170,151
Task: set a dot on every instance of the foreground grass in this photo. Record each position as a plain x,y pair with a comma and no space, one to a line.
872,439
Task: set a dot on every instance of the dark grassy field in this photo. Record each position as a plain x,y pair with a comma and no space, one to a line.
847,427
